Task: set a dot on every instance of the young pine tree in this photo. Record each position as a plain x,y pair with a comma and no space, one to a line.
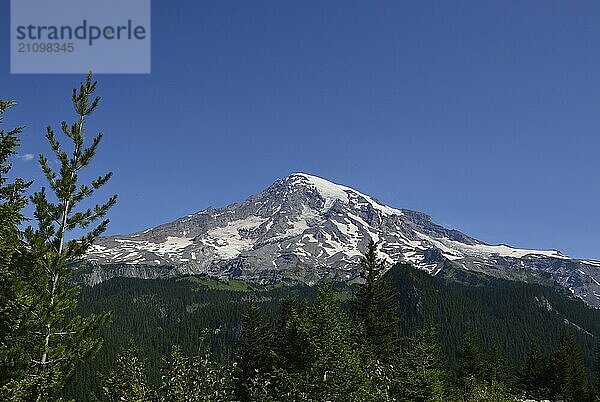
58,339
376,307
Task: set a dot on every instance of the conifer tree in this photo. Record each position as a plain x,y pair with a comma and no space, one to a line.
596,382
12,299
422,374
318,358
533,374
560,369
470,370
336,368
496,370
569,378
290,347
256,349
57,339
12,200
376,306
580,389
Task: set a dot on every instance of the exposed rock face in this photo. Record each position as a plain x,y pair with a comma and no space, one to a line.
304,228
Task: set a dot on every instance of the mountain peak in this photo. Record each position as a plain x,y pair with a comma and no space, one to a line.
304,228
328,190
332,192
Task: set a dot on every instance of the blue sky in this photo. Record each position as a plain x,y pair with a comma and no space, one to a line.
483,114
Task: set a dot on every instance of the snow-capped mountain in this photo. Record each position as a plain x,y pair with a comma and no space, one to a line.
304,228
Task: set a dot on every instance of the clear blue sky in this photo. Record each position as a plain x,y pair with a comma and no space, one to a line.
483,114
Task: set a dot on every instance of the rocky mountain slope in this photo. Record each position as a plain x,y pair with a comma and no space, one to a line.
304,228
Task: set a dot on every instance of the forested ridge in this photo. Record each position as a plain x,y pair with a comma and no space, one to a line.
157,314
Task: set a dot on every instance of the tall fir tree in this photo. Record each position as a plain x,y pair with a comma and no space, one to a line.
423,377
496,369
560,369
256,354
376,307
290,346
318,358
335,367
580,387
568,380
532,379
471,368
57,339
596,382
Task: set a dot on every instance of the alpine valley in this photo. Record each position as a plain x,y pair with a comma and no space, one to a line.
304,229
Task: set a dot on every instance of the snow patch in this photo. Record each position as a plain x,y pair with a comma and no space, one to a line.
332,192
